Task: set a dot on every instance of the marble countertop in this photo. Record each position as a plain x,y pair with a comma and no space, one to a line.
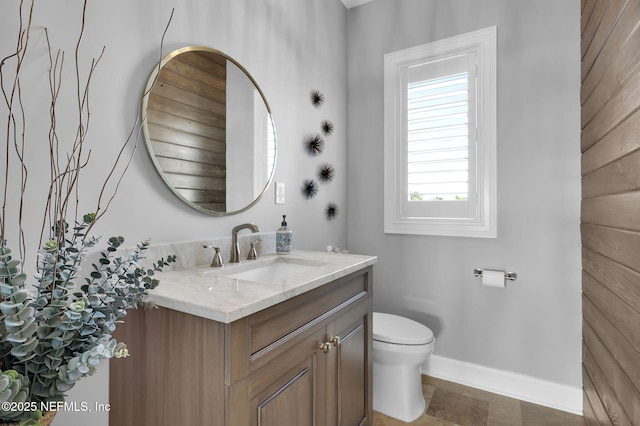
211,293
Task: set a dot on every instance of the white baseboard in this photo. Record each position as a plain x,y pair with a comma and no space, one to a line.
513,385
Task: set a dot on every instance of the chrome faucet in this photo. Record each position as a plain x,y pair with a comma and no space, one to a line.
235,248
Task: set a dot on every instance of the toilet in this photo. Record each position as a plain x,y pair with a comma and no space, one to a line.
400,346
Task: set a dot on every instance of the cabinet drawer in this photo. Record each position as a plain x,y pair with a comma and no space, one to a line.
295,315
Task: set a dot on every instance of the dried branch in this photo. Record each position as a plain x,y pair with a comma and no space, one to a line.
66,165
12,97
135,129
55,78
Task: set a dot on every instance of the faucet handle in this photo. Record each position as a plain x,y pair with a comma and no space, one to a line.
253,253
217,258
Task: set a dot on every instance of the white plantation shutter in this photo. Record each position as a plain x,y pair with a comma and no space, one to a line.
437,138
440,137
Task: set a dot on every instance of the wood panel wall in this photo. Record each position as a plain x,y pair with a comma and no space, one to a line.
610,145
187,126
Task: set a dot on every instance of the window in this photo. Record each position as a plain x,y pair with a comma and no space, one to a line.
440,137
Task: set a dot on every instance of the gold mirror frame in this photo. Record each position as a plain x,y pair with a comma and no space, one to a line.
176,141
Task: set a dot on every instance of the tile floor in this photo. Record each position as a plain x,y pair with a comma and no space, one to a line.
450,404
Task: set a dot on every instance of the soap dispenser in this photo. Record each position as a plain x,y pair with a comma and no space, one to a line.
284,238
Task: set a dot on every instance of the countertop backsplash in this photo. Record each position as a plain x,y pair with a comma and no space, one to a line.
192,254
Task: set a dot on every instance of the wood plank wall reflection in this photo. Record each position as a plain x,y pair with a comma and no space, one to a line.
187,126
610,143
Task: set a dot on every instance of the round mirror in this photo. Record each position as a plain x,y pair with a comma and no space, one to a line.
209,130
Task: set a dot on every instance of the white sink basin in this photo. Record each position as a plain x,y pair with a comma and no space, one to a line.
270,273
267,270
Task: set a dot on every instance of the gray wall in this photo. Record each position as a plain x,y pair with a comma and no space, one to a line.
533,326
290,48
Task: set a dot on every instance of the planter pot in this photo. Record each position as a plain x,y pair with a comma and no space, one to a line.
44,421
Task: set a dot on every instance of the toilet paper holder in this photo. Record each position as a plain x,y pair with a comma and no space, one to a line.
511,276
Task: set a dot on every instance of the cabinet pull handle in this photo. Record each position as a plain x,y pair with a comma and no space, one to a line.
335,340
326,347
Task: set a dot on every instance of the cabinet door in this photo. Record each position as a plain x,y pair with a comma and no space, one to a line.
289,395
352,369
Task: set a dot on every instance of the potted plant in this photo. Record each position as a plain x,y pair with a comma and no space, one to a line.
54,337
58,326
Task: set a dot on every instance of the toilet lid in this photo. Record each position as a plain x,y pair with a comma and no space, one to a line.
391,328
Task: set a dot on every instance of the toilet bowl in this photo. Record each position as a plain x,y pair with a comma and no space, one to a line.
400,346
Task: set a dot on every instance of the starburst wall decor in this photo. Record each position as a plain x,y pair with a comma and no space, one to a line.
314,145
317,98
309,188
326,172
327,127
331,211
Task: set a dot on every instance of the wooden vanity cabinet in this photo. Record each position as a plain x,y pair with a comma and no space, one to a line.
305,361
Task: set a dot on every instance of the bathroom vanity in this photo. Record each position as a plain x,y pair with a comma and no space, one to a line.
284,340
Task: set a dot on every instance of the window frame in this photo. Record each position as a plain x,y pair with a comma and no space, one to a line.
482,44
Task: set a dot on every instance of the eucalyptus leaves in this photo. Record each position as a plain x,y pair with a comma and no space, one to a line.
57,335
